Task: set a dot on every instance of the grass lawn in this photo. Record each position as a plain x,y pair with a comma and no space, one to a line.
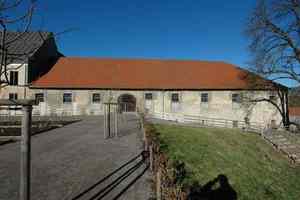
254,169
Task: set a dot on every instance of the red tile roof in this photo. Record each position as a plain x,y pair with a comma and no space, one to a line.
141,74
294,111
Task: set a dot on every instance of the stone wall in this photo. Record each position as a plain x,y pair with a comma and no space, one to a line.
219,105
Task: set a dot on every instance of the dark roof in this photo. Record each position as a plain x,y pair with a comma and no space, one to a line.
26,44
142,74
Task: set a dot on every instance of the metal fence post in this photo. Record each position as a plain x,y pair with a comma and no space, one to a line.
25,153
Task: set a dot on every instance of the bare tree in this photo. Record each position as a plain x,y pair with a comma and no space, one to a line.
274,31
21,22
266,91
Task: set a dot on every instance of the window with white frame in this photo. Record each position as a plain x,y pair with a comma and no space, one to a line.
67,98
175,97
148,96
13,96
247,120
204,97
39,97
96,98
13,78
235,124
148,101
272,97
236,98
175,102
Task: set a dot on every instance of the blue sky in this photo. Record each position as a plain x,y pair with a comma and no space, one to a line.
171,29
167,29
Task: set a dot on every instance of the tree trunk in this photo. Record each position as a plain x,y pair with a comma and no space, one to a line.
287,126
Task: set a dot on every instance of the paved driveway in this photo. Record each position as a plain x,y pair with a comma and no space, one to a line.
68,160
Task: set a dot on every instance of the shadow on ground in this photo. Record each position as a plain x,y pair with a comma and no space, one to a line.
113,180
210,191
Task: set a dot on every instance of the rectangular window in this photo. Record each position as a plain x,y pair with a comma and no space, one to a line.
13,78
204,97
247,121
272,97
235,124
13,96
175,97
67,98
148,96
39,97
236,98
273,124
96,98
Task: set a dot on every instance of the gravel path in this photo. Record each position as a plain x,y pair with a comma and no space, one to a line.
68,160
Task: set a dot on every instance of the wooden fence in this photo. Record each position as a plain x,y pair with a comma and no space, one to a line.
197,120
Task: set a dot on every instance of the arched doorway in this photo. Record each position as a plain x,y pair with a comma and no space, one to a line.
127,103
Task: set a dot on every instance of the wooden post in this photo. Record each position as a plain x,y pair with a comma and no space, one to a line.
104,121
116,119
25,153
146,148
108,121
158,185
106,135
262,131
151,158
112,120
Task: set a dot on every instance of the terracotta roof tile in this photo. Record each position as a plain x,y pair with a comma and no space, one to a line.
294,111
141,74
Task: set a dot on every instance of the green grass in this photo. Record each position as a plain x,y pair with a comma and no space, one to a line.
254,169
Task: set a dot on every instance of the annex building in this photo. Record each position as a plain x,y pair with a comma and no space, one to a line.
164,88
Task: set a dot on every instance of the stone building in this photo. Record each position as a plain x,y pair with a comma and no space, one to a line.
295,114
29,57
164,88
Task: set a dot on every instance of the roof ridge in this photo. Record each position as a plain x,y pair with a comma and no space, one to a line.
146,59
28,31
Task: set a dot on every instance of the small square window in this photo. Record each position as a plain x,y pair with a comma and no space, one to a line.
39,97
96,98
67,98
175,97
247,121
13,96
273,124
13,78
272,97
236,98
235,124
148,96
204,97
